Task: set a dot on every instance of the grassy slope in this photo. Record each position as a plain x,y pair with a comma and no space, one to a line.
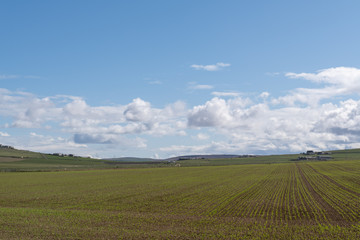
239,161
20,160
339,155
13,160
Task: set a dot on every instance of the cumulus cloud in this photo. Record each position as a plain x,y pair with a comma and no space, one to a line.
213,67
138,110
338,81
76,107
304,118
91,125
27,110
219,112
264,127
214,113
264,95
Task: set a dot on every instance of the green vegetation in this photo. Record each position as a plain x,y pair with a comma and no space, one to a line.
13,160
273,199
238,161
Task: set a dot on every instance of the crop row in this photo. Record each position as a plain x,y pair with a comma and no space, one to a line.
340,203
285,193
195,198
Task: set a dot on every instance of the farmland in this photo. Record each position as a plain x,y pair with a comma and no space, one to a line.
284,200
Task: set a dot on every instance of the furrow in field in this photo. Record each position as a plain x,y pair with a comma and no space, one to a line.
233,203
236,203
229,191
306,203
270,202
275,197
291,200
332,213
264,199
334,182
345,202
251,201
347,175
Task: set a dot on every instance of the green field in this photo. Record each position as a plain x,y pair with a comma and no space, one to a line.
13,160
273,199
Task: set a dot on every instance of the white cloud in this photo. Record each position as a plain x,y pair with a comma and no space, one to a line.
342,76
201,87
36,135
202,136
220,113
195,86
77,107
156,82
48,144
338,81
214,113
12,76
32,77
123,142
255,127
305,118
4,76
4,134
272,73
226,94
138,111
220,147
87,124
214,67
155,156
264,95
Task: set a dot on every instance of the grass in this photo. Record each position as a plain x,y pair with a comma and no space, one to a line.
274,198
239,161
12,160
249,198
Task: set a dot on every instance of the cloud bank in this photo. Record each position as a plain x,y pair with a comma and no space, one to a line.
304,118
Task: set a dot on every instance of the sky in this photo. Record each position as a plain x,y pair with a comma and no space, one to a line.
167,78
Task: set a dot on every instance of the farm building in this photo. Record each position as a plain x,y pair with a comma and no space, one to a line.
324,158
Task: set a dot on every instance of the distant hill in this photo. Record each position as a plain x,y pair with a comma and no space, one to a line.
11,152
210,156
131,159
14,160
178,158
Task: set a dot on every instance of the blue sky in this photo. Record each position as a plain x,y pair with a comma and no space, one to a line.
165,78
